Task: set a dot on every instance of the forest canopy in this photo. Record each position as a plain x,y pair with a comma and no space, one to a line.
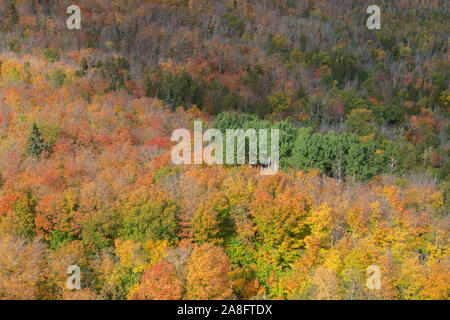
86,177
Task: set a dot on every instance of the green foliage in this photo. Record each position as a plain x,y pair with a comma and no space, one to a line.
240,252
84,64
278,44
312,150
25,210
256,65
337,155
214,223
361,159
319,59
388,41
123,63
13,75
115,70
35,144
446,195
165,172
234,121
343,67
100,229
234,22
174,89
288,135
360,122
58,237
388,114
341,155
50,133
84,68
14,15
303,40
363,75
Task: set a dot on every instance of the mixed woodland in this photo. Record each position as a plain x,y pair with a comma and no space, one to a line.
86,176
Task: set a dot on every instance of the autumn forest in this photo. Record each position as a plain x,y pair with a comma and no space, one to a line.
87,180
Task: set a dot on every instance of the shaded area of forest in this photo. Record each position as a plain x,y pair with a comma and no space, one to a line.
86,177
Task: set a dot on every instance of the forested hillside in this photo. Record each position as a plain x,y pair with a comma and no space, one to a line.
86,176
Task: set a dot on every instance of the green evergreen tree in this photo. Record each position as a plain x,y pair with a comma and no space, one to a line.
35,144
